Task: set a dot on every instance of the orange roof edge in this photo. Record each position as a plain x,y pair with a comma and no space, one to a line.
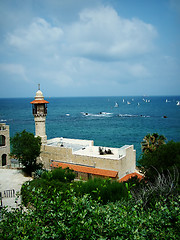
39,101
130,175
84,169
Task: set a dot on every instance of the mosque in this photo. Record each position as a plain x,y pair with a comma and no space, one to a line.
87,160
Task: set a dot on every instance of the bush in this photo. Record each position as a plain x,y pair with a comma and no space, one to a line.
103,190
163,187
57,180
100,190
47,188
162,160
84,218
62,175
38,173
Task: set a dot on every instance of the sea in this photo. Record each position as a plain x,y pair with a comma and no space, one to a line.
109,121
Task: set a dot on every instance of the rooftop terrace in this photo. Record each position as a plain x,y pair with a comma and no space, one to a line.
87,148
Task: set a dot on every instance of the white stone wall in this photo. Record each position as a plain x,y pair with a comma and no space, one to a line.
40,128
4,131
122,160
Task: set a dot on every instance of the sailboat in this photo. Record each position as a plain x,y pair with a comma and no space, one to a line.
116,105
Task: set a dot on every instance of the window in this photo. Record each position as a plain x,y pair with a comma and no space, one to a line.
34,108
4,156
2,140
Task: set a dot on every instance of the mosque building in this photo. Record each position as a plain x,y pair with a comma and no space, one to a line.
87,160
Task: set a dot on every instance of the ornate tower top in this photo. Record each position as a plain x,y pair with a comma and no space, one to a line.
39,98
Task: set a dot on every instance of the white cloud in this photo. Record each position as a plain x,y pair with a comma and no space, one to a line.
101,33
14,69
39,34
101,50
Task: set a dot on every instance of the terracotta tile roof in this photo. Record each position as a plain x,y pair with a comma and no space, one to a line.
91,170
39,101
128,176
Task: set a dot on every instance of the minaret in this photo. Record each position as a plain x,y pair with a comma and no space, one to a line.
39,108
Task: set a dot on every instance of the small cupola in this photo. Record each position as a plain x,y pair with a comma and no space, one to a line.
39,105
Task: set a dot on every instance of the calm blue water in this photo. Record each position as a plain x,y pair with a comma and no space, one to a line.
114,127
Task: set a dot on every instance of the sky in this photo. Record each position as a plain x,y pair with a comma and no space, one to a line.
89,48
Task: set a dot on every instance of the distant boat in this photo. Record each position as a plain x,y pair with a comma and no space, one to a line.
167,100
116,105
128,102
138,103
123,100
178,103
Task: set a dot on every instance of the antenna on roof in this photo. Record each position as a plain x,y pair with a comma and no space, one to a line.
39,86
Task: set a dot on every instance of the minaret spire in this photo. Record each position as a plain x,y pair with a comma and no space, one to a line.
38,86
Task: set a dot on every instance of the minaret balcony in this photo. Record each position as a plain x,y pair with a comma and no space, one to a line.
39,114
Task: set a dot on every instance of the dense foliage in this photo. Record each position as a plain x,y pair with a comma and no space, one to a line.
26,148
59,208
102,190
163,159
63,210
84,218
62,175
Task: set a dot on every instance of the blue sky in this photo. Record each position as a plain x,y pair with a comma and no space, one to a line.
89,48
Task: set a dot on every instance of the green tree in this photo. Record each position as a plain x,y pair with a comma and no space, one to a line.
151,142
26,148
163,159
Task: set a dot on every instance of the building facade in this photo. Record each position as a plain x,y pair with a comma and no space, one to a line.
4,145
83,153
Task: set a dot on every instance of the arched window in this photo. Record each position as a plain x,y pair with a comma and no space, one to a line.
2,140
4,157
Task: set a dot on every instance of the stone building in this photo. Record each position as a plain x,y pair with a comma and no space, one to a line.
4,145
82,156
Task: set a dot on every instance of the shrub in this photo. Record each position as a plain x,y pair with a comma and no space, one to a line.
62,175
38,173
48,189
161,160
84,218
165,186
103,190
